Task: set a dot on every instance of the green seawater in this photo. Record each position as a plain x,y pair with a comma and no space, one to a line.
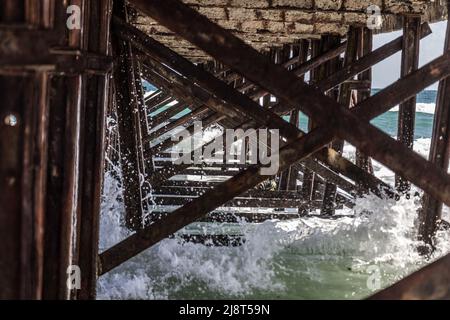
387,122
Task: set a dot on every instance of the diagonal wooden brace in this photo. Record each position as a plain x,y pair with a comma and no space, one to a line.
232,51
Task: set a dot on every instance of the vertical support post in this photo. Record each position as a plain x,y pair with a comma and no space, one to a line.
407,110
431,211
344,98
143,114
302,51
288,179
62,194
365,47
144,129
98,96
129,127
285,176
23,134
23,166
66,102
308,175
52,153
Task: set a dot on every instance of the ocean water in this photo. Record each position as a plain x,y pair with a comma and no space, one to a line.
388,121
308,258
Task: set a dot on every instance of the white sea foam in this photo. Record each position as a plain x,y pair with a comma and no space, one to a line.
302,258
421,107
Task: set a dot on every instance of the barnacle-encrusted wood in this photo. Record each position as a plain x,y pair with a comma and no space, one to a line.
261,23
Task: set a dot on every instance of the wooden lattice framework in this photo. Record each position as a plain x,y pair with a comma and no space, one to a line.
59,92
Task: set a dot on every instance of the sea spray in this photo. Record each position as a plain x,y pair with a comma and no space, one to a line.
302,258
308,258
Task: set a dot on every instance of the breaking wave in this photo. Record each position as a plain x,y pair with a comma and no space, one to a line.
307,258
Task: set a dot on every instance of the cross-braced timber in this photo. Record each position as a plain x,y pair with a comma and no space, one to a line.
60,91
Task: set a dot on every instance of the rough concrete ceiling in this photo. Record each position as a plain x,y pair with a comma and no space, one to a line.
268,23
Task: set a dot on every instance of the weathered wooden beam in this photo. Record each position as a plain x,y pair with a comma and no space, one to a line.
196,114
169,142
185,90
62,184
383,92
328,174
429,283
361,65
145,124
176,94
158,101
236,202
199,207
189,184
391,96
23,171
35,50
306,66
319,60
404,88
54,82
282,55
365,48
231,108
288,179
308,181
153,95
98,97
431,211
285,201
369,60
129,127
191,90
375,183
203,185
206,166
182,83
191,25
188,190
307,163
344,96
158,51
407,109
167,115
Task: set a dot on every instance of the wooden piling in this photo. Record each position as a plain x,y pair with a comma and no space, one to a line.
129,128
289,177
431,211
407,110
343,97
309,175
55,86
365,47
98,97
